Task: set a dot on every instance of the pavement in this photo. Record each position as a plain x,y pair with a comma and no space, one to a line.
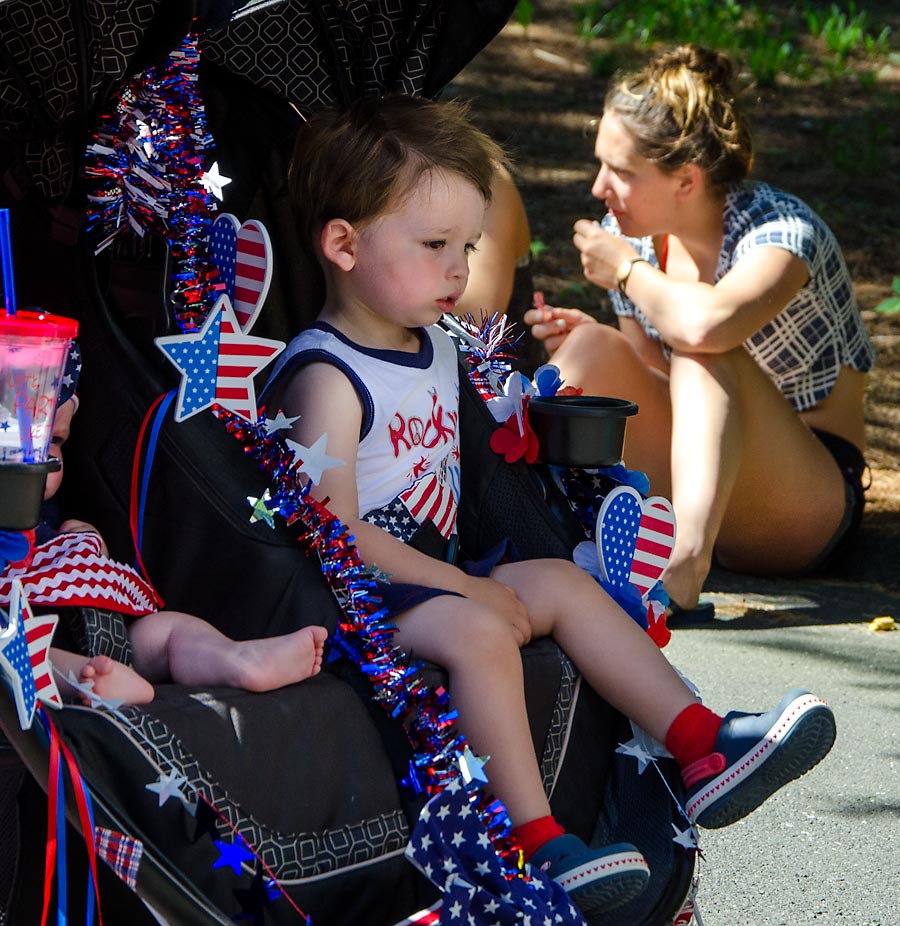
825,849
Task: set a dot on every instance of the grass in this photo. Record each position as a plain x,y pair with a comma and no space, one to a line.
834,41
891,305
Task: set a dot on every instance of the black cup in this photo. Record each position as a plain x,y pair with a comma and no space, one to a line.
21,493
580,430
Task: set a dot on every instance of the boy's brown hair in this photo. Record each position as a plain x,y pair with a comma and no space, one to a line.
353,163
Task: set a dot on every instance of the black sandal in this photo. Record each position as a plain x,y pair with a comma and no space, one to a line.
702,613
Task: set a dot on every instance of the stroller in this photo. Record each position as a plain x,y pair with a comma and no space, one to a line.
310,777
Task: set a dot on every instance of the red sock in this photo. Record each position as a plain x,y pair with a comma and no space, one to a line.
536,833
693,733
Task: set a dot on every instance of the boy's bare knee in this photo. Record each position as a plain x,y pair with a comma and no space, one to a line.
480,628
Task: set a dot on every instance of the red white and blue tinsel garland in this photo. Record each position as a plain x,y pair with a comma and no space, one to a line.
441,754
147,161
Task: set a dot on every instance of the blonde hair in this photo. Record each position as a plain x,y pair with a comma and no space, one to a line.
683,108
353,163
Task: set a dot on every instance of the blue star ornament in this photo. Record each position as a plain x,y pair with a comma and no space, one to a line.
685,838
232,855
638,751
218,364
280,422
169,784
15,662
196,356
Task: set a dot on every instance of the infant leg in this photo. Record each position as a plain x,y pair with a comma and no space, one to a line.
190,651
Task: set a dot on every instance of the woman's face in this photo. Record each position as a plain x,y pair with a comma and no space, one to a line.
636,192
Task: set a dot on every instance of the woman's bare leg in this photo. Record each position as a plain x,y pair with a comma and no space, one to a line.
189,651
745,475
620,662
749,479
486,682
602,361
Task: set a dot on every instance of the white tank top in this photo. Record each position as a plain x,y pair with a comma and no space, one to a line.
407,467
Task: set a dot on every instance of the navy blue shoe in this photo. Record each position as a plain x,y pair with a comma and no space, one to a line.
594,879
755,755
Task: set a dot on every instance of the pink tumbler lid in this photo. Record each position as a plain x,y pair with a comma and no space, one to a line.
37,325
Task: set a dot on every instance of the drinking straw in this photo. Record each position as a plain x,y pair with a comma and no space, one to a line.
23,414
6,261
9,292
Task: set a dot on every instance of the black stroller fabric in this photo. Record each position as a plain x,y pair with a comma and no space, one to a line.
308,775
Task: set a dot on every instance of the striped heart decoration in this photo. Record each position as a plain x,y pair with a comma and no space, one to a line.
243,255
635,537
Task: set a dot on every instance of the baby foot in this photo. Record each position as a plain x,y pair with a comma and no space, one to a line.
274,662
115,680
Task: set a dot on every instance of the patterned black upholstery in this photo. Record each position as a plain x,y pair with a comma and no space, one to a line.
56,59
323,53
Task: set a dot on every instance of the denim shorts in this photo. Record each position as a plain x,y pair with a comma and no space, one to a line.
399,597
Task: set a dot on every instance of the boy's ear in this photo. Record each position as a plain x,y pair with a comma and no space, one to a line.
338,243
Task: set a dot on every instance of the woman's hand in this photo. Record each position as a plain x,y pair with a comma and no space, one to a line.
601,252
504,602
552,325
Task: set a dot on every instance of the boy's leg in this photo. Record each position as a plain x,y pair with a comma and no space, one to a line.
189,651
620,662
110,679
483,660
729,766
484,665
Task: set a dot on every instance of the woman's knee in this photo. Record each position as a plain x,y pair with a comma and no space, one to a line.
723,368
594,343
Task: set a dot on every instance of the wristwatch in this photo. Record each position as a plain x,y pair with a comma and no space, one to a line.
623,271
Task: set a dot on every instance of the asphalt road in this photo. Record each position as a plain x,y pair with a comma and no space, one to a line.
826,849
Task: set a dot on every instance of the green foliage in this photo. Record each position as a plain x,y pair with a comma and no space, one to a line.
524,13
536,247
845,31
770,49
709,22
891,305
770,44
571,293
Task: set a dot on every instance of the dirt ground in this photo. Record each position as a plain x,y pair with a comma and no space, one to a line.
835,144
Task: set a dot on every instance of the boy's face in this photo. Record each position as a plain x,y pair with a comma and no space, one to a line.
412,263
62,424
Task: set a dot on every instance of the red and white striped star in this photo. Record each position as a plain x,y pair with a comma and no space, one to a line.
240,357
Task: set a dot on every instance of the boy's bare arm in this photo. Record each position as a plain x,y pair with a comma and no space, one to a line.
328,403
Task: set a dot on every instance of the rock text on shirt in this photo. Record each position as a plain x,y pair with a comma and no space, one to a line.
439,428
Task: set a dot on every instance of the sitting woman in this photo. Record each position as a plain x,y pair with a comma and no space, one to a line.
500,268
739,335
